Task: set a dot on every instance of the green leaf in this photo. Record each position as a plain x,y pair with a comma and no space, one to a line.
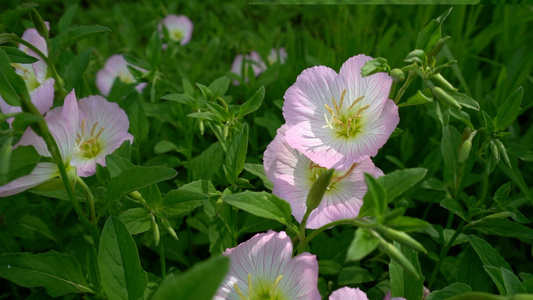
252,104
75,70
417,56
455,207
118,260
403,283
91,265
137,220
469,272
66,18
488,255
58,273
375,199
399,181
23,161
116,164
362,245
139,124
74,35
259,170
261,204
219,86
512,283
180,201
419,98
180,98
375,65
496,275
354,275
201,282
23,120
464,100
329,267
18,57
430,35
449,149
135,178
508,111
409,224
453,289
153,50
5,156
503,227
12,87
237,149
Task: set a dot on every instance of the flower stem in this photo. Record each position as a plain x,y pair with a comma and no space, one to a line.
163,261
89,196
443,252
404,87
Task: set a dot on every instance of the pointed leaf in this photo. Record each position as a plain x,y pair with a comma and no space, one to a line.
399,181
252,104
135,178
508,111
261,204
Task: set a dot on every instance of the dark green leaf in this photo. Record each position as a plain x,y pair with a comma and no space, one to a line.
488,255
138,122
201,282
23,120
403,283
135,178
153,50
512,283
464,100
259,170
508,111
12,87
496,275
399,181
219,86
18,57
503,227
66,18
181,98
329,267
354,275
118,260
430,35
181,201
116,164
75,70
469,272
137,220
237,149
58,273
455,207
453,289
23,161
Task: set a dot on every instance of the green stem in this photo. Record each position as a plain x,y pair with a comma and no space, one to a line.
163,260
392,89
90,198
444,252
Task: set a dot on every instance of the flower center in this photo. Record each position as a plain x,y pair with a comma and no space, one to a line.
89,146
261,290
345,122
126,77
176,35
28,75
317,170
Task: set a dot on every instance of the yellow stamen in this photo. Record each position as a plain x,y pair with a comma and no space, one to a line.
329,109
339,178
249,286
355,102
239,291
275,285
335,105
342,98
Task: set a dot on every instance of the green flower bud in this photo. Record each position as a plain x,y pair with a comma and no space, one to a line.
495,151
444,97
442,82
417,56
402,238
503,153
397,75
5,157
438,46
319,189
464,151
168,228
38,23
155,230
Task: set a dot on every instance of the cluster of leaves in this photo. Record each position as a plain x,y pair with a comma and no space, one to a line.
192,184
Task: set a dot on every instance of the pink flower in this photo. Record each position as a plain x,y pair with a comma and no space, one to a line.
115,67
85,133
40,87
263,268
102,126
253,59
276,55
339,119
293,174
179,28
348,293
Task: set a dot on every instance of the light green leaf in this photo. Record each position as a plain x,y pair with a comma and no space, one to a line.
259,170
252,104
399,181
261,204
362,245
375,199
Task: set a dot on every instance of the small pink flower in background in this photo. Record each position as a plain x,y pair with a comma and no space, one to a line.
40,87
179,28
263,268
276,55
102,126
388,296
293,174
253,59
348,293
85,133
339,119
115,67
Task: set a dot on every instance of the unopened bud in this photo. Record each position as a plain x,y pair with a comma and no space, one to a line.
442,82
402,238
318,189
444,97
155,230
397,75
464,151
503,153
38,23
495,151
5,157
168,228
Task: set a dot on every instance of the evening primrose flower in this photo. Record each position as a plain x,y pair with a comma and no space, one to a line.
40,87
61,126
263,268
338,119
348,293
253,59
277,55
179,28
115,67
293,175
101,127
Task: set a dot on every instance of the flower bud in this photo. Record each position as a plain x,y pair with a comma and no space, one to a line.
319,189
444,97
442,82
38,22
464,151
168,228
503,153
397,75
155,230
402,238
5,157
495,152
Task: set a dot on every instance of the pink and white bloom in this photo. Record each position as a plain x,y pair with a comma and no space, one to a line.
116,67
101,127
63,130
253,59
276,55
293,174
40,87
348,293
85,133
263,268
179,28
338,119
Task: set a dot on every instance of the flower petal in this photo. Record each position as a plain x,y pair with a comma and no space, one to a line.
40,174
348,293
